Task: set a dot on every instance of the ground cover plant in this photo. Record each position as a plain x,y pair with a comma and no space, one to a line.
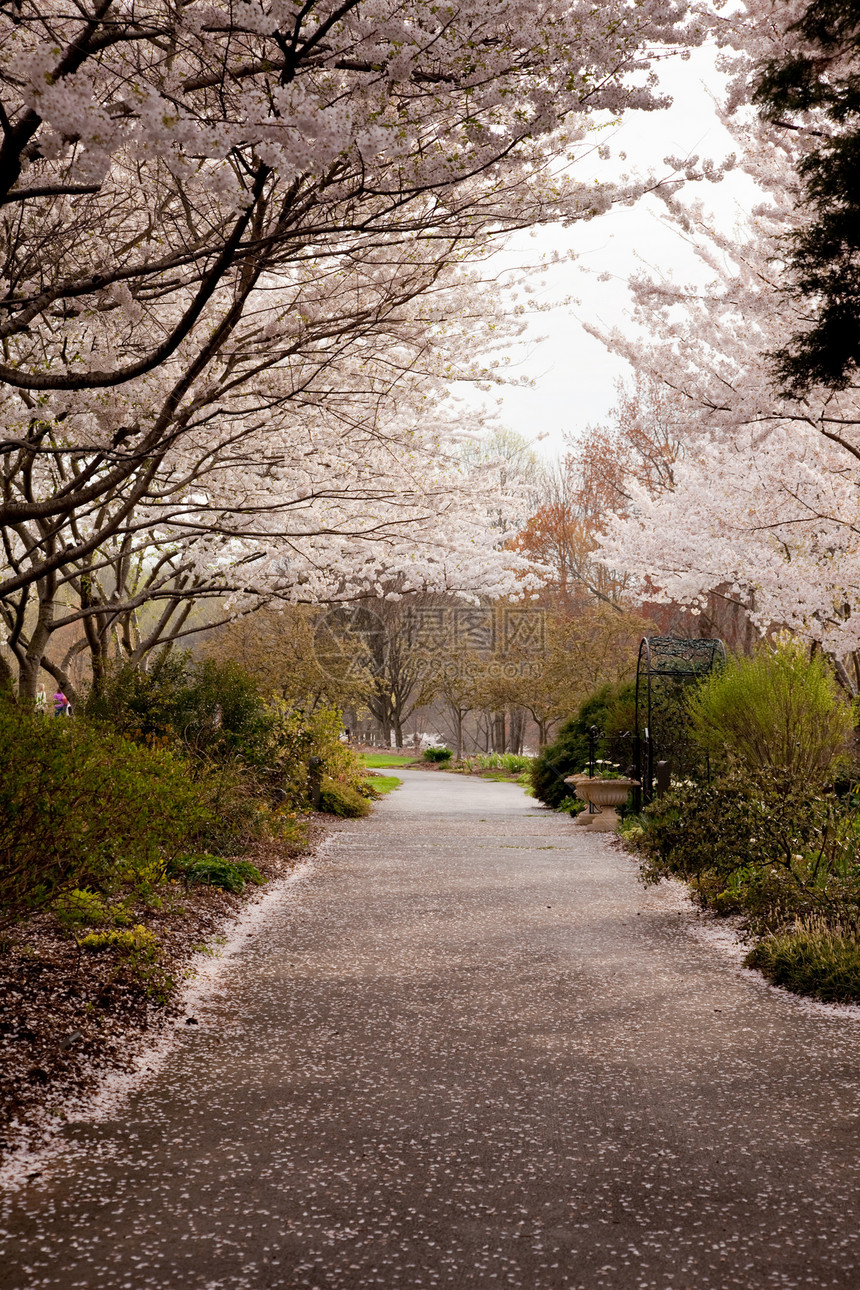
512,764
774,837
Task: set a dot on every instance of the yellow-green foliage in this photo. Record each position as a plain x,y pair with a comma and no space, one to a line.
777,711
135,943
297,736
813,958
341,799
139,953
381,784
81,908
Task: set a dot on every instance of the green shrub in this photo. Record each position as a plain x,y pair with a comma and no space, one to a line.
211,709
814,958
215,871
254,752
758,845
572,806
437,754
342,799
779,711
611,709
81,808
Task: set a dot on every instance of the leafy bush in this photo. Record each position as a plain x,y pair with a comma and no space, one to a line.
611,709
82,808
213,712
341,799
437,754
215,871
211,709
814,958
762,846
778,711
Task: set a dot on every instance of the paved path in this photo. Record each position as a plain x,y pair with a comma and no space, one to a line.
469,1051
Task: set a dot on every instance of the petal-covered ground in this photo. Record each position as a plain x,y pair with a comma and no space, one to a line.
467,1049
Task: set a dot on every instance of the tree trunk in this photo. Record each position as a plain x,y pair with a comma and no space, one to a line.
7,680
499,732
515,737
30,664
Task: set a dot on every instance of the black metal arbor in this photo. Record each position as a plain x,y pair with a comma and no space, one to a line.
666,660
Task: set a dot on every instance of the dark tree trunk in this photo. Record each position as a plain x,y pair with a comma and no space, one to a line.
499,734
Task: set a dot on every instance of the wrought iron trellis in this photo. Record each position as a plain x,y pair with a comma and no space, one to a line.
665,658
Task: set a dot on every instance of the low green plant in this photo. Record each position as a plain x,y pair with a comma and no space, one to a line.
437,754
572,806
135,943
631,829
216,871
814,958
779,711
513,763
342,799
139,952
81,908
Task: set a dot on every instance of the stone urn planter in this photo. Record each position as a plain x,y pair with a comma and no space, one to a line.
580,783
606,794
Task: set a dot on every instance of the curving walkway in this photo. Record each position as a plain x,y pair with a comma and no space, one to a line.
469,1050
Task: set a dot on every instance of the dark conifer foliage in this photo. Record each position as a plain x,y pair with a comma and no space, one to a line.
816,88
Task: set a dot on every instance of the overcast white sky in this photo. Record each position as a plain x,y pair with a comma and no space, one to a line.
573,377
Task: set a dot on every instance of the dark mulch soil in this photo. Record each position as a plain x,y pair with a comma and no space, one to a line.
67,1017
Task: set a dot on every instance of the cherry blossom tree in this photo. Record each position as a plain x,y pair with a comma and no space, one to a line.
169,172
762,500
231,232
